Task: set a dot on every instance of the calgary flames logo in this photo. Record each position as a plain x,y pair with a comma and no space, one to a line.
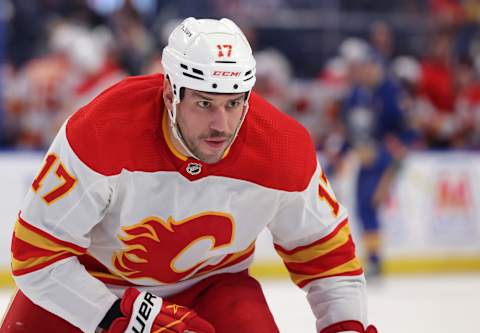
155,248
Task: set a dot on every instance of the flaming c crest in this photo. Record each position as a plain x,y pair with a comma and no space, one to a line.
153,245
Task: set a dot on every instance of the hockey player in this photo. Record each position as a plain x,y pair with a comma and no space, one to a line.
144,215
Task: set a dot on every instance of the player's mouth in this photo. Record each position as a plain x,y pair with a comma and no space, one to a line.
216,143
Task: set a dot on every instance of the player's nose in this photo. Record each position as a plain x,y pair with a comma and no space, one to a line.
219,119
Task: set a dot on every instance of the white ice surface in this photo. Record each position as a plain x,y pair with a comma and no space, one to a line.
427,304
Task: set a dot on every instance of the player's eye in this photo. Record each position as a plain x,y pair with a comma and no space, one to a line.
204,104
235,103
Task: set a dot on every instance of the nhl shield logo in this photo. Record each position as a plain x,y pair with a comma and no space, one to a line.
194,168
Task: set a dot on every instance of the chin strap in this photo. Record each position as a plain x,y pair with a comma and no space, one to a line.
349,326
172,114
246,106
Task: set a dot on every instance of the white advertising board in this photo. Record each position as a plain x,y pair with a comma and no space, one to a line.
17,171
434,207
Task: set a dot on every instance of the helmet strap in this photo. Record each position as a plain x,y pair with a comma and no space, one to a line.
241,120
175,130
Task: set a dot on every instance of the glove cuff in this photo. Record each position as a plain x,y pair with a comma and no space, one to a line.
135,312
111,315
349,326
145,309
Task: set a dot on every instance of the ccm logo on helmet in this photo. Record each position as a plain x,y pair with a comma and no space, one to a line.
226,73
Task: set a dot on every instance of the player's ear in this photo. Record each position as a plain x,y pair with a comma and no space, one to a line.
167,94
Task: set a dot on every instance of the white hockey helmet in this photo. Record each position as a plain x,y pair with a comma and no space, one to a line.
208,55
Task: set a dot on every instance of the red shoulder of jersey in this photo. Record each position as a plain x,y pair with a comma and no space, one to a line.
276,151
121,129
120,125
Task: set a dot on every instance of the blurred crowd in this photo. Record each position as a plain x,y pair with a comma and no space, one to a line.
369,91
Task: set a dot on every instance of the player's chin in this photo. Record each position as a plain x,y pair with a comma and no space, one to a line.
211,156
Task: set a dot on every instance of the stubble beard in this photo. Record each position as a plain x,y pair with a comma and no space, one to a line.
208,158
194,146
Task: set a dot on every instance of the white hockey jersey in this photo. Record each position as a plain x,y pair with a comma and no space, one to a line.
116,205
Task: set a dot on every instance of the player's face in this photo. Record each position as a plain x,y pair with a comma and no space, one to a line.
208,122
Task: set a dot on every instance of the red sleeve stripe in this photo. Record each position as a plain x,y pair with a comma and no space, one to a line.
302,281
48,236
24,267
331,260
24,251
327,244
33,249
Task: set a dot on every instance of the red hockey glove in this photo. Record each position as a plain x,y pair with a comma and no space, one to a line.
144,312
349,326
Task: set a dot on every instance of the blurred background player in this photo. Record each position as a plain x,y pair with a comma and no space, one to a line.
166,182
374,124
